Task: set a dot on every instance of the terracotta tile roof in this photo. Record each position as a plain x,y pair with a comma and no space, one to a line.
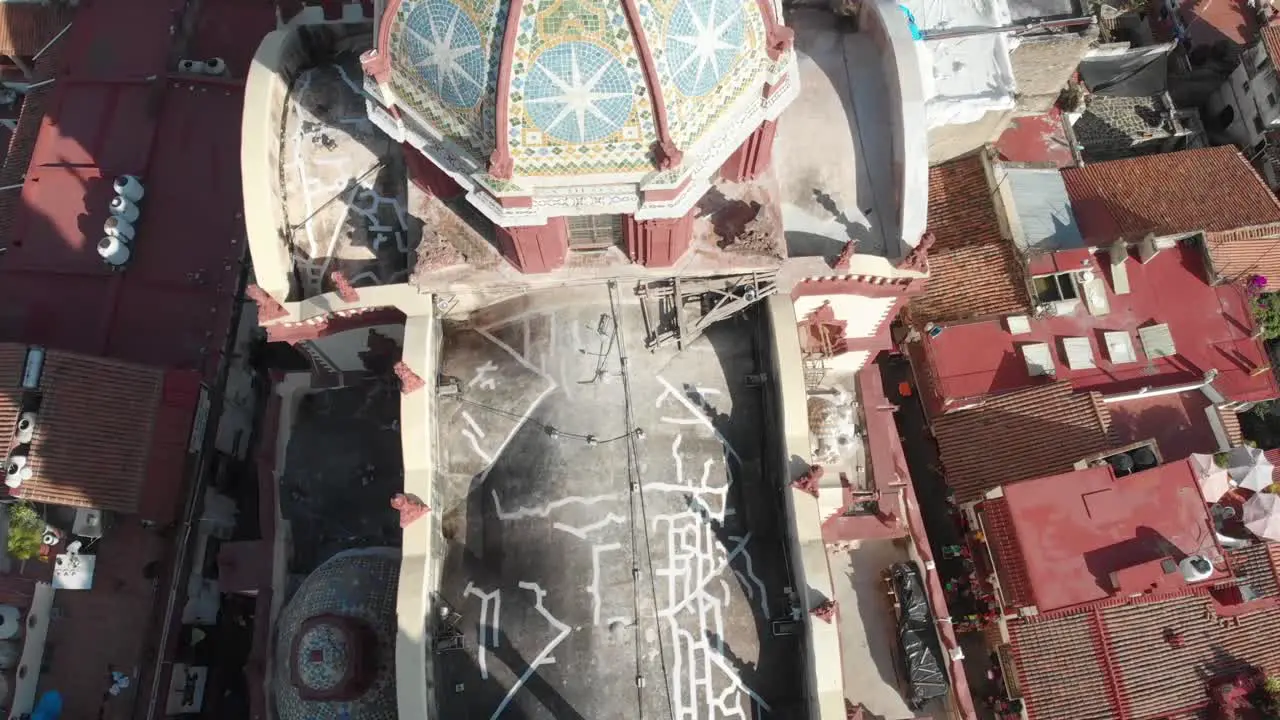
1060,668
1253,562
93,441
1238,254
25,28
1010,567
1212,189
973,271
1024,434
12,360
1062,677
1271,40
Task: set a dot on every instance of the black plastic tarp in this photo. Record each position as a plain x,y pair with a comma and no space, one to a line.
918,636
1141,72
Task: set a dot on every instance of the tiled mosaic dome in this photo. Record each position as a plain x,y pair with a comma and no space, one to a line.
580,102
335,641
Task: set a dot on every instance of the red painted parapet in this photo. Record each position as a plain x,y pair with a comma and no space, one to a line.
825,611
808,482
343,287
409,380
268,308
410,508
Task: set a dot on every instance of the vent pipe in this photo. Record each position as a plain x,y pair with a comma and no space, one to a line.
118,227
33,367
120,205
129,187
114,251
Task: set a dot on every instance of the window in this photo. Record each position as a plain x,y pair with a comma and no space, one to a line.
1052,288
1271,99
1225,117
1257,123
1246,86
594,232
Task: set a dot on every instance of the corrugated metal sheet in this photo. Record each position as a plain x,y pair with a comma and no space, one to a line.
1029,433
93,441
1043,210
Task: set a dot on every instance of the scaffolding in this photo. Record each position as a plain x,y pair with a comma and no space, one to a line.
667,319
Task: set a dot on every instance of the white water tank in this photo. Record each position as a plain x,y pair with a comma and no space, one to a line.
130,187
1195,568
114,251
215,66
194,67
122,206
26,428
118,227
17,471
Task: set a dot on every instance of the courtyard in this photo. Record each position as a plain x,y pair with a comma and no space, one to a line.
578,597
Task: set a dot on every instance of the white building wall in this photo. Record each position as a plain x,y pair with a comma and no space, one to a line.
1253,94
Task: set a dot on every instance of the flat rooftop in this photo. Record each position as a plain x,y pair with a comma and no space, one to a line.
543,532
1211,328
115,111
1074,530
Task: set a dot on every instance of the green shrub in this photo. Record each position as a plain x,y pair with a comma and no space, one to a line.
26,531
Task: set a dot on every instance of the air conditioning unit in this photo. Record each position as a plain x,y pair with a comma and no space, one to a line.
26,428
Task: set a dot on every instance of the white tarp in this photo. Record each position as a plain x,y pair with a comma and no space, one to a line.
971,75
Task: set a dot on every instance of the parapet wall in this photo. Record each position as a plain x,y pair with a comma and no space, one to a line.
885,21
423,543
824,677
279,58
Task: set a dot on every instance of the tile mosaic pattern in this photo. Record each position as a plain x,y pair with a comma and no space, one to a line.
446,66
580,103
322,658
709,54
602,130
359,584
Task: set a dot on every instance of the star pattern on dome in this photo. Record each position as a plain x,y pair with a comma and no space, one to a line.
578,93
703,40
445,46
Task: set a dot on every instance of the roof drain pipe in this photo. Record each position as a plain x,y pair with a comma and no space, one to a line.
1150,392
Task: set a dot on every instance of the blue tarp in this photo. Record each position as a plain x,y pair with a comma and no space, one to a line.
49,707
911,23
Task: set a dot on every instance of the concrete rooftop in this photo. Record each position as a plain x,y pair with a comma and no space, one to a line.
543,532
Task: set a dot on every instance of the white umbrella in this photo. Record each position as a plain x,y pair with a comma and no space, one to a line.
1204,464
1249,468
1214,485
1262,515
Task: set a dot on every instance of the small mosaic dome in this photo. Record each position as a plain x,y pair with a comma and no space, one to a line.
335,645
586,94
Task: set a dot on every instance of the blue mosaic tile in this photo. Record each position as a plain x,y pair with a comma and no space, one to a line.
704,39
578,92
446,47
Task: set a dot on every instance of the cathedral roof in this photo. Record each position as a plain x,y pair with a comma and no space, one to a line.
580,87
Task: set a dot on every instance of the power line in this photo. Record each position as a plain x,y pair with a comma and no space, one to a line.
637,502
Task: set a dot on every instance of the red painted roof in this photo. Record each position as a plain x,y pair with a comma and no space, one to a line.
1209,189
172,306
972,269
1076,529
1002,539
1211,326
1036,139
1209,23
1024,434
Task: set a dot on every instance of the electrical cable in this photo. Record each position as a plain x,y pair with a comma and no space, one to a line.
637,502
